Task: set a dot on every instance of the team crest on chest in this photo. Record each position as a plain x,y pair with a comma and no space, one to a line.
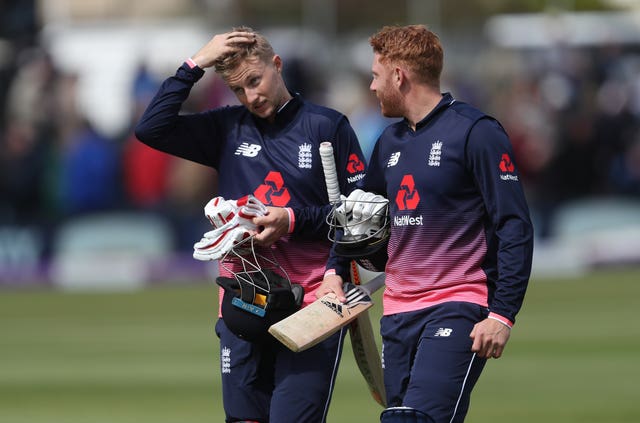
305,158
435,154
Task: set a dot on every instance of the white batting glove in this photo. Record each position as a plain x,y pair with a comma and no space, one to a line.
220,211
251,206
361,213
219,242
232,220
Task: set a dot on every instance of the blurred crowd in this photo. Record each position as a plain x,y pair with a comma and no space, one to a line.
573,115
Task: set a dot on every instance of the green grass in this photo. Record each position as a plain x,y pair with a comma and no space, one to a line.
151,356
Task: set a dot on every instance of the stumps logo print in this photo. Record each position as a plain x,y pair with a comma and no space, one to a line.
272,191
407,197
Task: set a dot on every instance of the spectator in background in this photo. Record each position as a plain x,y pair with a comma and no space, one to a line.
161,183
30,133
90,173
145,170
625,170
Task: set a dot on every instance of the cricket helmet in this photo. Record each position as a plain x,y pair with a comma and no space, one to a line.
259,294
360,228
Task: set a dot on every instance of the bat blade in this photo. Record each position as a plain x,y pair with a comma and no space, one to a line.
365,349
324,317
316,322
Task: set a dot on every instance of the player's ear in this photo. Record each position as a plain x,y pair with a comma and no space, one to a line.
277,62
398,76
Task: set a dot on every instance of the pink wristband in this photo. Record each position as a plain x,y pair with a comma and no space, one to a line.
191,63
501,319
292,219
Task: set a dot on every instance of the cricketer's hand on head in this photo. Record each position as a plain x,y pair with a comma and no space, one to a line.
222,44
272,226
332,283
489,338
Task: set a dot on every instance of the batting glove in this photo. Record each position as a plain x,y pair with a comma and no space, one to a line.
220,211
232,220
361,213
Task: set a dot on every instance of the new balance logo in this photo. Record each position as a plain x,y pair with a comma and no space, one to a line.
443,332
248,150
393,160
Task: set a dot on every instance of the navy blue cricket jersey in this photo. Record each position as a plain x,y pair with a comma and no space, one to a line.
277,162
461,229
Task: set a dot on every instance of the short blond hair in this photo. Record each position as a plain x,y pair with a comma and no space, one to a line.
413,46
261,50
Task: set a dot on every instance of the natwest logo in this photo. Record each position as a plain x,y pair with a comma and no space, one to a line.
506,165
354,164
407,197
273,191
507,168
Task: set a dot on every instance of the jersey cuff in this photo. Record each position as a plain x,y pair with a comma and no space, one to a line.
292,219
329,272
191,63
501,319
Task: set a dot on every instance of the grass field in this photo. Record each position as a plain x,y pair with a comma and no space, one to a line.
151,356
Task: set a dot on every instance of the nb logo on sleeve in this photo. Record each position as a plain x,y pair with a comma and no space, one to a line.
443,332
248,150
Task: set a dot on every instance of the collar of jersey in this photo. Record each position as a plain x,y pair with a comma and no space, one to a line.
286,112
446,101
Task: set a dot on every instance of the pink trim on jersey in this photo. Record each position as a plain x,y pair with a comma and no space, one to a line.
191,63
401,303
429,267
501,319
292,219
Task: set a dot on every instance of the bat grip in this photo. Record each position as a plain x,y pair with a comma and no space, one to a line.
330,172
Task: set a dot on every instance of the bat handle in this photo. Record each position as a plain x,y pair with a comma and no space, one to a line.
330,172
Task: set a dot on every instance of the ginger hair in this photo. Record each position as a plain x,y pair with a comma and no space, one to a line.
412,46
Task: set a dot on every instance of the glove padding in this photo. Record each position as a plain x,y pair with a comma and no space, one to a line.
220,211
361,214
232,220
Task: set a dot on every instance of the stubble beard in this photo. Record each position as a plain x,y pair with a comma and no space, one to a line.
390,104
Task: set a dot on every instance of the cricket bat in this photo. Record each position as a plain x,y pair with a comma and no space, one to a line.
365,349
325,316
363,341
